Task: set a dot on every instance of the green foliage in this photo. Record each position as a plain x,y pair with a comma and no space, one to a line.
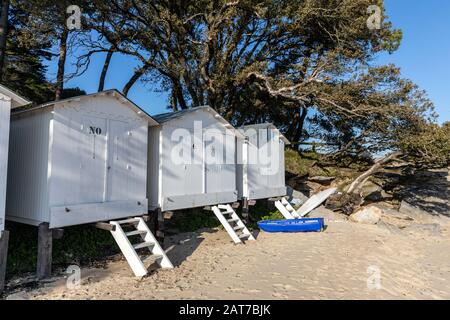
315,164
302,164
26,51
190,222
427,145
80,245
72,92
260,212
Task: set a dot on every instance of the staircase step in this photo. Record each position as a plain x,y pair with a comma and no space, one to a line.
143,245
237,230
128,221
135,233
128,249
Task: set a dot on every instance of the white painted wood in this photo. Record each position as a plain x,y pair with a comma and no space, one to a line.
128,251
232,223
286,209
154,167
87,153
64,216
198,183
16,100
148,241
255,179
5,109
197,200
29,167
8,100
315,201
164,262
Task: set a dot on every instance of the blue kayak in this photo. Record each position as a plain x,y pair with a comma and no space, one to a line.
293,225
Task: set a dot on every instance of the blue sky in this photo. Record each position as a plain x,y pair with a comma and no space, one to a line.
424,57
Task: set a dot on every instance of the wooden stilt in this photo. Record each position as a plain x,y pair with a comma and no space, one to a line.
159,227
45,246
245,210
4,238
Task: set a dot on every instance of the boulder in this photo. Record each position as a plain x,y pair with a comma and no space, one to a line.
296,197
368,215
327,214
392,213
370,188
415,212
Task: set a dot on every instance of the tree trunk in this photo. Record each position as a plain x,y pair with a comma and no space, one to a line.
179,92
296,129
139,73
61,64
3,33
101,84
301,124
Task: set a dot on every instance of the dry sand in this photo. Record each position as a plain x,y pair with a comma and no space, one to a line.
335,264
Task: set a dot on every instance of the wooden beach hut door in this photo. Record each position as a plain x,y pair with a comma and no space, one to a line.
118,164
93,159
213,161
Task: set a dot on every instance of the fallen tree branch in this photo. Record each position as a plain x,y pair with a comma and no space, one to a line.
375,168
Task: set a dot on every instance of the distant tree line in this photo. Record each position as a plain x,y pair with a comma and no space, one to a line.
308,66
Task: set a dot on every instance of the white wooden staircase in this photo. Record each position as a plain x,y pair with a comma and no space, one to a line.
286,209
232,223
138,228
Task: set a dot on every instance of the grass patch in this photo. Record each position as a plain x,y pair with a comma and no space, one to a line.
80,245
304,163
261,212
313,164
192,221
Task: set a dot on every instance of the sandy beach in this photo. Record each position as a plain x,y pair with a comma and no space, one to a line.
340,263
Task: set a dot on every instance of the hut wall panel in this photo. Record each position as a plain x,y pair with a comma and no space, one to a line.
27,193
5,110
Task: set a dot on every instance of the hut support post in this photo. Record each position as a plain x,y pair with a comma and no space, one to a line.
245,210
4,238
45,248
159,227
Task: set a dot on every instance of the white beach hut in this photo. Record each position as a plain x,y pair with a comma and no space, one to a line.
192,163
82,160
8,100
261,168
78,160
191,160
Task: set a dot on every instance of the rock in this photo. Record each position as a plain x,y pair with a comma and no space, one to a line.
370,188
374,196
374,193
368,215
322,180
430,228
414,212
22,295
392,213
327,214
296,197
295,202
